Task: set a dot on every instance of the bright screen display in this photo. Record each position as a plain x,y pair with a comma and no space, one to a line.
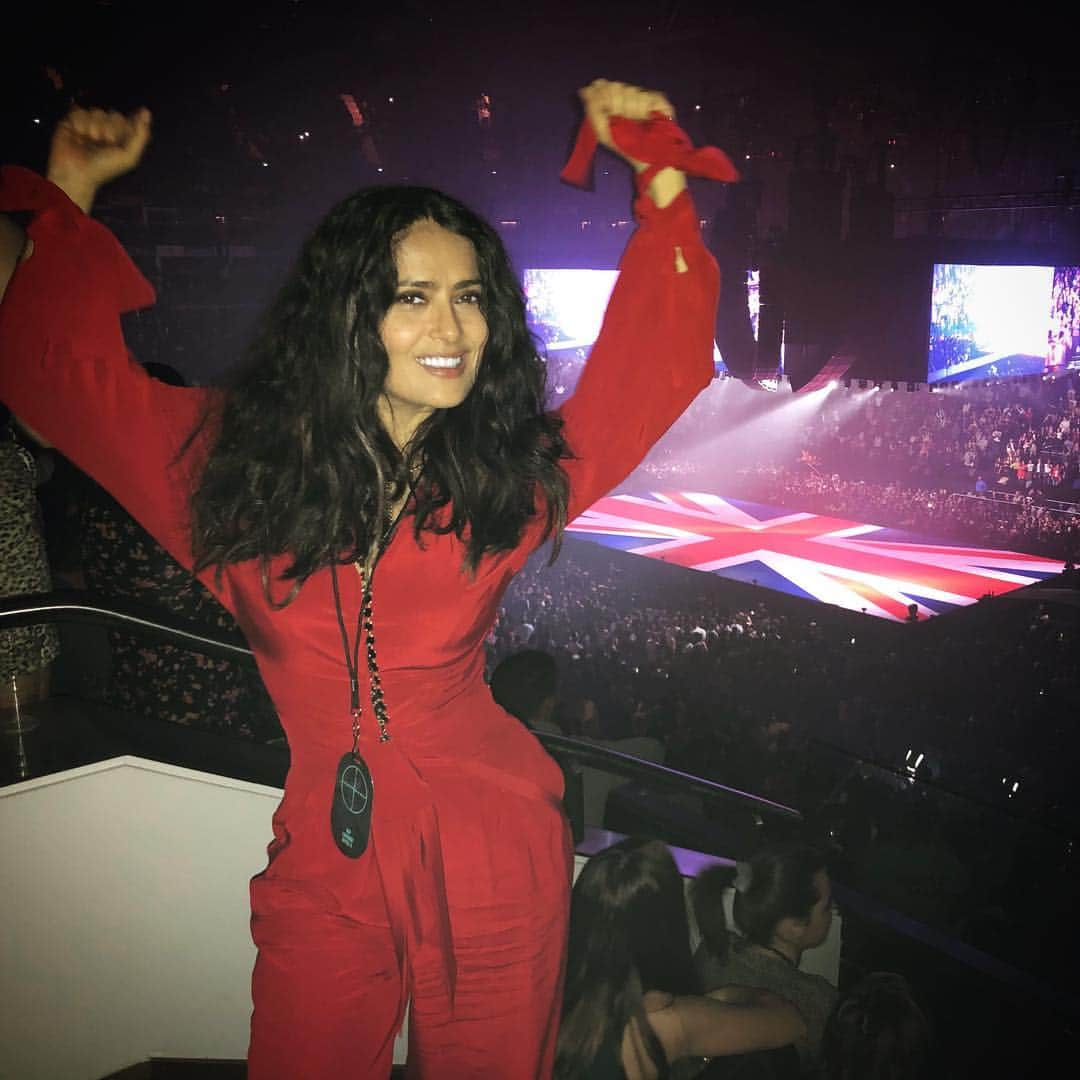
753,298
1001,321
565,308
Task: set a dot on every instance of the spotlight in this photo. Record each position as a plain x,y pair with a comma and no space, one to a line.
911,764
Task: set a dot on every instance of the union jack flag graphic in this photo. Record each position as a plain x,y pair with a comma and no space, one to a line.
847,563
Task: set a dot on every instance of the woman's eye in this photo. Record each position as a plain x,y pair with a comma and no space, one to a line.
410,298
470,298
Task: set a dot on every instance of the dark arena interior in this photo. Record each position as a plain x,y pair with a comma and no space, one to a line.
837,603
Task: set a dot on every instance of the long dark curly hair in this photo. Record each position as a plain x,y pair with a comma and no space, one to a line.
300,463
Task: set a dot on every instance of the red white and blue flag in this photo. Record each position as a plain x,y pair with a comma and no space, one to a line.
847,563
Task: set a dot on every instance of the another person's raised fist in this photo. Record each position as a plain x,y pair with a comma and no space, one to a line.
90,147
603,99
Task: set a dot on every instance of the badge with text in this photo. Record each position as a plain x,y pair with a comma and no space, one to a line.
350,812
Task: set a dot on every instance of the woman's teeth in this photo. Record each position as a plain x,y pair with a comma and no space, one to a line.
440,361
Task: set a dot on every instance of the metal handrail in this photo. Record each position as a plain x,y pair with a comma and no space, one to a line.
925,783
116,614
1001,498
125,615
615,761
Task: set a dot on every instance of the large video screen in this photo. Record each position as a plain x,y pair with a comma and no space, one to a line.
565,308
753,298
990,322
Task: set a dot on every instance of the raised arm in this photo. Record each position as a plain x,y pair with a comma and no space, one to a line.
654,352
66,373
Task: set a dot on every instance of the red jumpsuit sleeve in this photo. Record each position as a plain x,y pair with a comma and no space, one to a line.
653,356
65,370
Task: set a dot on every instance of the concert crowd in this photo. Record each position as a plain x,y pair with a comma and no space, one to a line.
819,708
990,464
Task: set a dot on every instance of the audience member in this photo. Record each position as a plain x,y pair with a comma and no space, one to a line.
632,1005
877,1032
782,906
525,684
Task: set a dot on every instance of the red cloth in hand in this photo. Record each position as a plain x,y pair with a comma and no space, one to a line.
658,142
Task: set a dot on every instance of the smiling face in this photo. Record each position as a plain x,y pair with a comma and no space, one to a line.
434,330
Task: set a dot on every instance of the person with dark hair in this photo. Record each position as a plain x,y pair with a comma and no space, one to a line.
376,475
525,684
633,1005
782,906
877,1032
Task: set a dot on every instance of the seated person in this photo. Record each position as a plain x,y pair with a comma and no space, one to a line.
782,906
633,1006
526,685
877,1032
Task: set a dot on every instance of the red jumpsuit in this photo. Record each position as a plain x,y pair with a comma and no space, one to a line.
460,903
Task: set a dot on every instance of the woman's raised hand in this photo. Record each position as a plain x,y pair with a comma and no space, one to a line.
603,100
90,147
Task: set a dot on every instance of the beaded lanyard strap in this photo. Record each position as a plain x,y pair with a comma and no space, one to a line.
350,809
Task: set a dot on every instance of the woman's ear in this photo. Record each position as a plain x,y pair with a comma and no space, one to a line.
791,929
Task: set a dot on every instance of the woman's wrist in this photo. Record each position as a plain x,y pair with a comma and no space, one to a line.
666,186
78,189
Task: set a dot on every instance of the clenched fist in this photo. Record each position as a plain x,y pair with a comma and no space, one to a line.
603,100
90,147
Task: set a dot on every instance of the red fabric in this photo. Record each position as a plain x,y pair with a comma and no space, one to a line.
658,141
467,819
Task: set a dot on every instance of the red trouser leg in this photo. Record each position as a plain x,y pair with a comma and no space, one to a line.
326,992
507,862
327,988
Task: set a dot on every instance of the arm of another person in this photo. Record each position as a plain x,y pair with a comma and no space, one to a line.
732,1020
654,353
66,373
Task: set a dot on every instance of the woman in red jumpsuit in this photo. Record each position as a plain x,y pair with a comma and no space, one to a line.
458,903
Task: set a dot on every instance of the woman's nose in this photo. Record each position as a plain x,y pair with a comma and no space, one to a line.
445,323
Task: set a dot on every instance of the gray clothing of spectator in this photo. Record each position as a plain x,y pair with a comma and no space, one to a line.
750,965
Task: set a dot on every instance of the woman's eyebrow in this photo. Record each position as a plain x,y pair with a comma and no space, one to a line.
431,284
